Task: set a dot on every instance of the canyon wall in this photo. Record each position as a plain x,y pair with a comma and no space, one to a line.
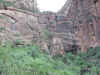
20,24
84,15
76,25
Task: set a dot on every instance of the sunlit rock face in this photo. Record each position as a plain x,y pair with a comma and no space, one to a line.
84,15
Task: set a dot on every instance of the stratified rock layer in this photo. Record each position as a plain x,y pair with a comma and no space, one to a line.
84,14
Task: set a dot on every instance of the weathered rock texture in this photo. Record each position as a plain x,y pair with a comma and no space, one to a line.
18,21
76,25
54,41
84,14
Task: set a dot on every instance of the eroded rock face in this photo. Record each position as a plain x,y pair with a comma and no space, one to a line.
84,14
53,43
77,24
27,28
26,25
64,30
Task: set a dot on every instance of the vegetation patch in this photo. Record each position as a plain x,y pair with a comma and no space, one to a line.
30,60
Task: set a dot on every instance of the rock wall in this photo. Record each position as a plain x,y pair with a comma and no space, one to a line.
19,20
54,41
23,26
76,25
15,21
84,15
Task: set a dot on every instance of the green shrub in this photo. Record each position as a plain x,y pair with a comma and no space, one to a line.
30,60
2,29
